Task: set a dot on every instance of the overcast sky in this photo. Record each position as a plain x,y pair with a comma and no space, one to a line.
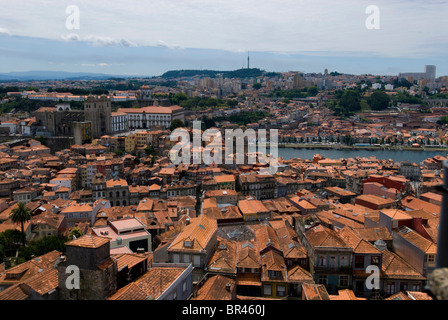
281,35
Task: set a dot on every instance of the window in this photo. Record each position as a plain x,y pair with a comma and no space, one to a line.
343,281
176,258
375,260
416,286
267,290
333,262
322,261
359,262
430,258
186,258
184,286
281,291
322,279
196,261
390,288
344,261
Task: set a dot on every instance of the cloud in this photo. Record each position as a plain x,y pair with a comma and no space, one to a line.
103,64
4,31
71,37
108,41
163,44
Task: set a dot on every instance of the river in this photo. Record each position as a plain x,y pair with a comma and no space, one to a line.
396,155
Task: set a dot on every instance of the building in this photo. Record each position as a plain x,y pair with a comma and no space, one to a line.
418,251
117,192
374,202
129,232
429,74
98,271
253,210
409,170
196,242
148,117
330,257
161,282
98,111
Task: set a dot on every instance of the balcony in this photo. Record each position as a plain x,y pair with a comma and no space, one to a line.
334,270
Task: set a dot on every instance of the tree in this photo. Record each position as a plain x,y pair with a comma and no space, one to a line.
150,151
21,214
351,100
257,85
176,123
379,100
313,91
75,232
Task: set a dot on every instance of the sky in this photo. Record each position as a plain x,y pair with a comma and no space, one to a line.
150,37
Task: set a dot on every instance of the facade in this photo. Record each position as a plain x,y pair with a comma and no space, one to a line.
98,111
148,117
195,243
331,258
129,232
97,270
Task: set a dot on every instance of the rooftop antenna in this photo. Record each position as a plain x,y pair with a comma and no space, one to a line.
247,59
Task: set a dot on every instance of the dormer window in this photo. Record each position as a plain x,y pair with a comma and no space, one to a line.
188,243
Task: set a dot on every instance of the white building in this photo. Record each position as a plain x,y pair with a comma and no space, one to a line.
146,117
120,121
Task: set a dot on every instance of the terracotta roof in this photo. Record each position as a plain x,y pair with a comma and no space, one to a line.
14,292
150,285
251,206
248,255
346,294
299,274
88,241
358,244
129,260
196,235
215,288
419,241
223,258
273,261
373,234
394,267
44,282
314,292
320,236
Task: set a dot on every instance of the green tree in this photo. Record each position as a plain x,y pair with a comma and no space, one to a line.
150,151
176,123
351,100
21,214
379,100
75,232
313,91
256,86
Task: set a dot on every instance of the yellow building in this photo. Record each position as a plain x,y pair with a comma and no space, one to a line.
130,143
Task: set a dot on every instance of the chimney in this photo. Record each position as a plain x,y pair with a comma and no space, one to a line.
380,245
228,285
